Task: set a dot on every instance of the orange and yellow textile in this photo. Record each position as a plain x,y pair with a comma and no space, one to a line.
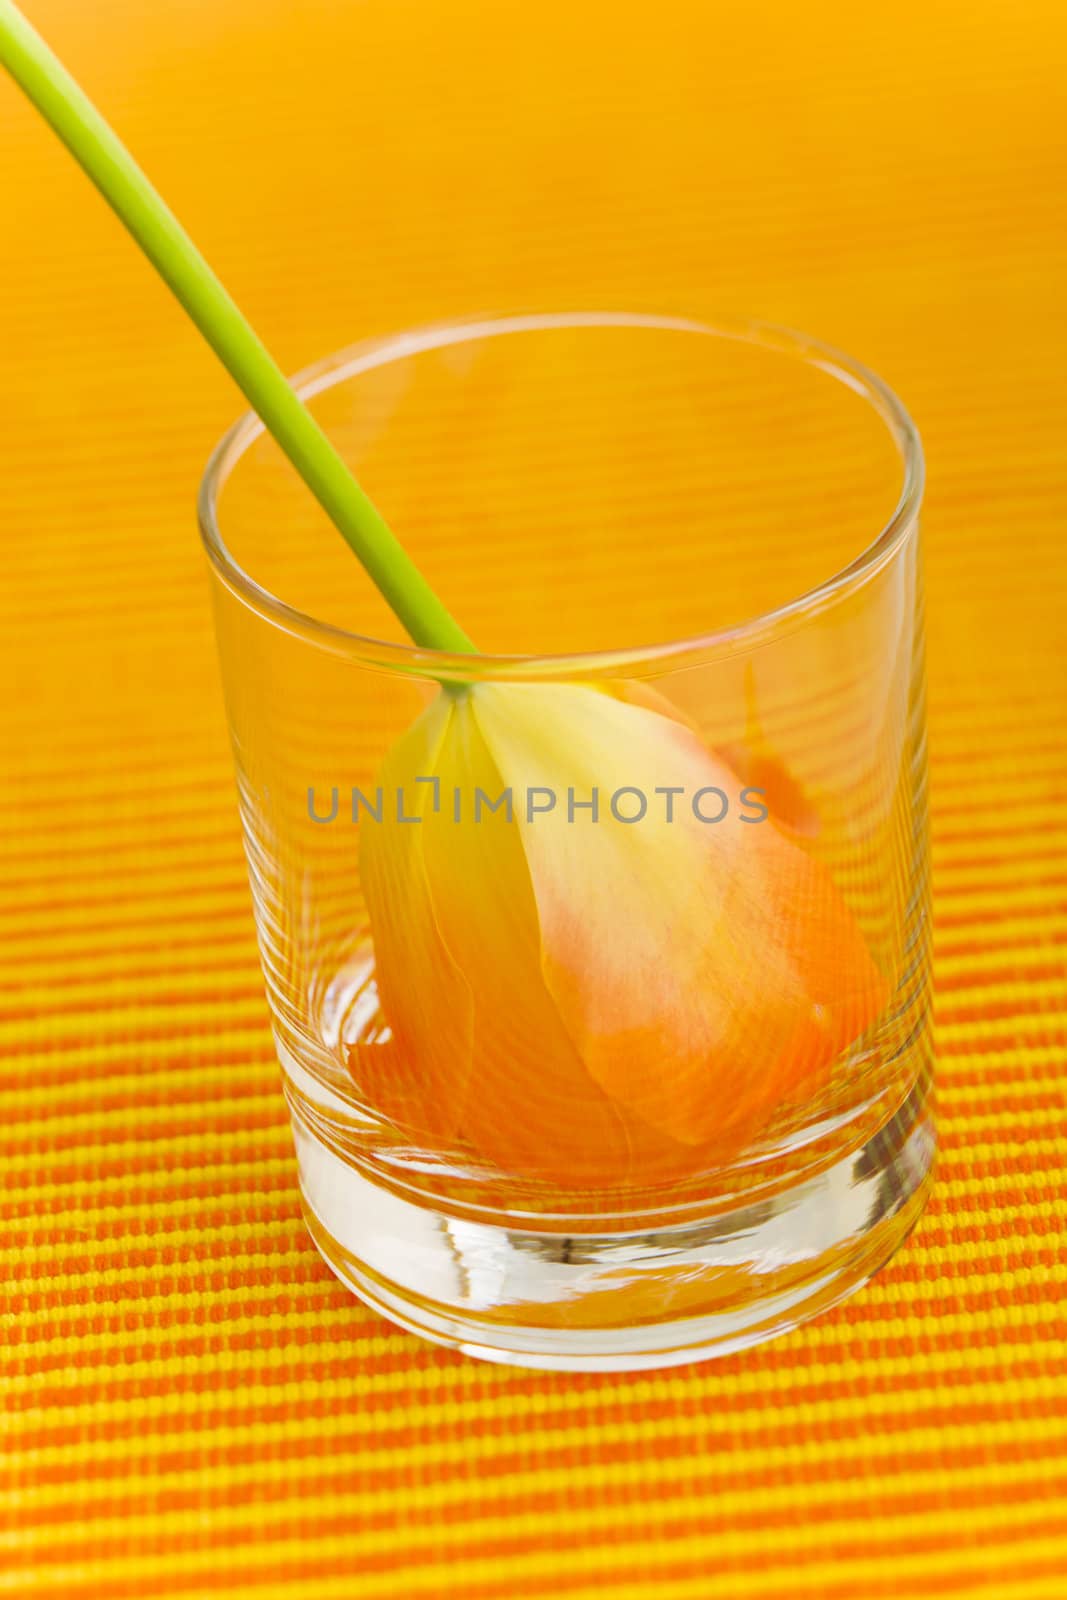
192,1406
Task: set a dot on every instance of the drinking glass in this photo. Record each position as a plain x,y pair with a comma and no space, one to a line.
597,960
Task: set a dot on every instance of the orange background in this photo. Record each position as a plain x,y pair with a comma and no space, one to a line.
192,1405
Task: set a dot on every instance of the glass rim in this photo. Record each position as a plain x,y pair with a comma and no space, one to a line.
396,656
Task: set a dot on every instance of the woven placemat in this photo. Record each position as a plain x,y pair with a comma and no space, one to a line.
192,1405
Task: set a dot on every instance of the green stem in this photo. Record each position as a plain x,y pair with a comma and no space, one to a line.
124,186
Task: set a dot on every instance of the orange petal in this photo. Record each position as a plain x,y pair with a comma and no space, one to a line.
758,767
419,1077
676,951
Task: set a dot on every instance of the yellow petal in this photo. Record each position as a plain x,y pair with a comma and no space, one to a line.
533,1108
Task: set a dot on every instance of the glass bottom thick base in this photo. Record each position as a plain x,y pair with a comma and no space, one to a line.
621,1302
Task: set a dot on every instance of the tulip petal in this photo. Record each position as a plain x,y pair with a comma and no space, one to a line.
753,762
420,1076
533,1109
680,953
758,767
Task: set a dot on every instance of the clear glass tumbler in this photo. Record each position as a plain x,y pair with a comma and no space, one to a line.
598,960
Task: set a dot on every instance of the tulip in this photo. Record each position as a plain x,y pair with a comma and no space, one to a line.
583,998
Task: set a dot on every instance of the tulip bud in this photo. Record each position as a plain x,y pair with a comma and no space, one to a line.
594,995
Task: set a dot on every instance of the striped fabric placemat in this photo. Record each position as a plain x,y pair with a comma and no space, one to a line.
192,1405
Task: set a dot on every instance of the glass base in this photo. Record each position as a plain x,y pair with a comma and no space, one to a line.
618,1302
